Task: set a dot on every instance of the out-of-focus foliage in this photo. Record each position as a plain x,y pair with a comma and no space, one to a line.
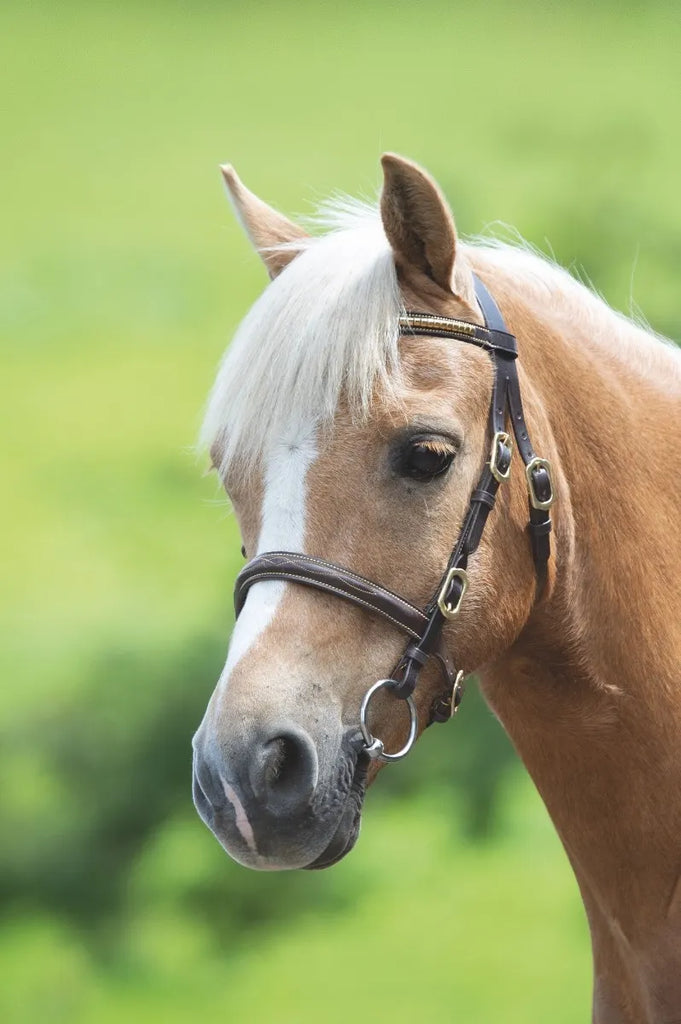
122,275
115,760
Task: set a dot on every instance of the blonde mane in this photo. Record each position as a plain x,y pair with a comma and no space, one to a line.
329,324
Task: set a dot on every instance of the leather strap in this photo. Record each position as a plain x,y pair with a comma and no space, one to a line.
505,397
334,579
497,340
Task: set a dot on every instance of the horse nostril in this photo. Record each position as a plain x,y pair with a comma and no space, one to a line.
284,774
282,761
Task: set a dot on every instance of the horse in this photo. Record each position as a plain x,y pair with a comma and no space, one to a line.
363,423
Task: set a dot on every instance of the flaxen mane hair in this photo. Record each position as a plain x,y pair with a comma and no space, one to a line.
329,324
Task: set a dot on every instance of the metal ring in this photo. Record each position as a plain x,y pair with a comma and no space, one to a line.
374,746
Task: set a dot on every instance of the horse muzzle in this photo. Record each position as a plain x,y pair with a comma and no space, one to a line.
268,802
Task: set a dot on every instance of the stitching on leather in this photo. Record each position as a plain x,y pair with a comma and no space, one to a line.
319,585
347,572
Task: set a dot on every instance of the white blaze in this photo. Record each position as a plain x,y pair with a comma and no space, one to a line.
282,529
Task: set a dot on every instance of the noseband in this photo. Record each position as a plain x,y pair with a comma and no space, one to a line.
424,627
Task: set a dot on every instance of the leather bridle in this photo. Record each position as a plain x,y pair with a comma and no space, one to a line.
424,627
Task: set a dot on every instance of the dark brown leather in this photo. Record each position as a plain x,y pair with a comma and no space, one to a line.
334,579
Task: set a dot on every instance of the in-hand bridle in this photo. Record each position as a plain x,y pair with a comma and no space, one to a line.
424,628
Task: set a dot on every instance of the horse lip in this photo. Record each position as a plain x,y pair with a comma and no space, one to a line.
329,857
202,803
347,832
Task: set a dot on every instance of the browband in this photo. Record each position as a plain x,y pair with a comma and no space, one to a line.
433,326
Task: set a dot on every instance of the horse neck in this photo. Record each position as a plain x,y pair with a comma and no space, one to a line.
590,692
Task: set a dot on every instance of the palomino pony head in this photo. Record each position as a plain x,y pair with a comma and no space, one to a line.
337,437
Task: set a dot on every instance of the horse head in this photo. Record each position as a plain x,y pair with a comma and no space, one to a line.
340,436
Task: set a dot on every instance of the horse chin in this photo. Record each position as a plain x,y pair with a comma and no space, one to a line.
347,832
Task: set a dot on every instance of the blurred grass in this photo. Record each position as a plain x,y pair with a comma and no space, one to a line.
121,276
492,933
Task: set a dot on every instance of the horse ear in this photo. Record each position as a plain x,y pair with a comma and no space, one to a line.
418,222
266,228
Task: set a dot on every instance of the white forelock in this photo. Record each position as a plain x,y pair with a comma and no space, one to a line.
328,323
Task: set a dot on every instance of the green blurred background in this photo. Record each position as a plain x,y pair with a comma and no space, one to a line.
123,275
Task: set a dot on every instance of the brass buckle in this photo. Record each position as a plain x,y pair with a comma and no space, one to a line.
451,611
537,463
501,437
457,694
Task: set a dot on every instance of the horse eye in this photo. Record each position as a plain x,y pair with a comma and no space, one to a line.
243,551
426,458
